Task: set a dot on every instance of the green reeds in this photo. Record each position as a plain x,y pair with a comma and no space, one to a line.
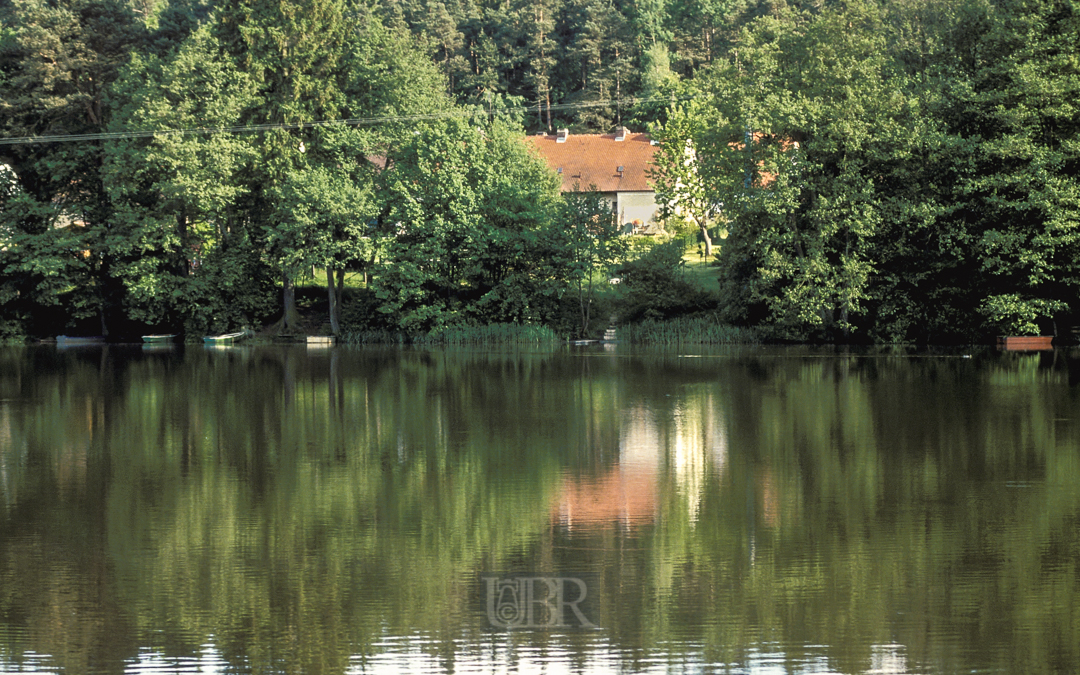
493,334
704,330
371,337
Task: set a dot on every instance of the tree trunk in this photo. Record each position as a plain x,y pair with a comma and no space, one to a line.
334,293
585,295
290,320
547,99
183,262
708,242
618,90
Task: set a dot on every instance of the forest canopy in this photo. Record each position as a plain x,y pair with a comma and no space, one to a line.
885,170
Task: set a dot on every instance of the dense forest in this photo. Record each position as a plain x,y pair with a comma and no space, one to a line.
885,170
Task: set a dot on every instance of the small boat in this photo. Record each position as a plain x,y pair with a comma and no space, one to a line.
65,340
223,339
158,339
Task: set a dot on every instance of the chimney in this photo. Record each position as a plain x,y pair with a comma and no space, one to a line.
563,133
620,133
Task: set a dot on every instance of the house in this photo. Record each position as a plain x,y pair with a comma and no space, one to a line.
616,164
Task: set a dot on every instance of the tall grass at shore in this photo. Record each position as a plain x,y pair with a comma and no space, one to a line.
703,330
372,337
493,334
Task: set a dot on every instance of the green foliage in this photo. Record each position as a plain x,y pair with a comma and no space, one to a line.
232,288
877,183
59,61
1014,315
655,286
886,171
464,229
176,195
592,244
319,219
684,169
1018,111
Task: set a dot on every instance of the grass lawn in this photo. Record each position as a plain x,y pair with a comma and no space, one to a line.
699,272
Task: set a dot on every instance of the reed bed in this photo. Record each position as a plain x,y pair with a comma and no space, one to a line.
372,337
493,334
704,330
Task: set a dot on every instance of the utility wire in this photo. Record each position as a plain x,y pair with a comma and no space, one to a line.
360,121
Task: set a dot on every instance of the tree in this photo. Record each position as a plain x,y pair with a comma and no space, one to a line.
540,54
805,142
320,223
296,54
58,61
594,244
1017,114
177,195
683,186
597,62
462,228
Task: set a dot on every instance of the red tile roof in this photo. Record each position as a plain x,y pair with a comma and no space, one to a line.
594,159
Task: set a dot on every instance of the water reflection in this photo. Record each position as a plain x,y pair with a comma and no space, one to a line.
332,511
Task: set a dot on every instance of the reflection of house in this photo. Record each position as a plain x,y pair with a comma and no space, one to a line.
654,454
616,164
623,496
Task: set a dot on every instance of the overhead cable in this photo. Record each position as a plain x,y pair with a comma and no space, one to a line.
471,111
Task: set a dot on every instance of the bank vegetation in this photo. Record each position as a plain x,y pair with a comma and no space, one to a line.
870,170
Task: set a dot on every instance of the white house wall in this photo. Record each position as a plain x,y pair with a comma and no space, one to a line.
633,206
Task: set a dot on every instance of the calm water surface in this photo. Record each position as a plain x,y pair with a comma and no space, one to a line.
766,510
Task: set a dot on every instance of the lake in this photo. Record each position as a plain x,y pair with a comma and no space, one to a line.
599,509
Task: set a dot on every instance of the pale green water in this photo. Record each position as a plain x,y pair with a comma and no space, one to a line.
761,510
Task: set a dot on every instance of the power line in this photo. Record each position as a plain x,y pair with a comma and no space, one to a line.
359,121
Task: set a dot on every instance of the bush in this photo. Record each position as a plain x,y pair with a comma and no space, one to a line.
655,289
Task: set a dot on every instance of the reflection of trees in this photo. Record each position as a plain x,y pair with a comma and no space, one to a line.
881,500
358,499
300,510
